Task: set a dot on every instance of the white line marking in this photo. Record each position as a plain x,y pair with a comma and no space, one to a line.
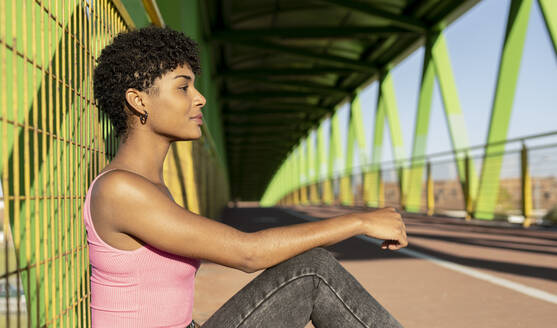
530,291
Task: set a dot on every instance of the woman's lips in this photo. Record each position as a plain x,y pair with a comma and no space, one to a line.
198,119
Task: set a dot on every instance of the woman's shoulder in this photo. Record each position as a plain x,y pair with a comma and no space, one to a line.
112,182
117,195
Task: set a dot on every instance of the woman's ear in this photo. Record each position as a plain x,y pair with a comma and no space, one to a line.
135,101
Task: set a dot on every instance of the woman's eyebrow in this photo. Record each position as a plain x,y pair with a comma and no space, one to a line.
187,77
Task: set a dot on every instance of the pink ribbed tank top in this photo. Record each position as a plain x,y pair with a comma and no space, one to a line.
146,287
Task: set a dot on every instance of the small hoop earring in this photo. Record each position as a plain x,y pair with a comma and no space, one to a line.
143,118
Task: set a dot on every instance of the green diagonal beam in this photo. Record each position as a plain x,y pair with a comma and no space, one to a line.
376,152
391,110
335,145
322,165
358,124
453,112
414,191
509,67
549,10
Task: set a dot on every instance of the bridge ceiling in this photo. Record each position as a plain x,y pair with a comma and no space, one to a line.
282,65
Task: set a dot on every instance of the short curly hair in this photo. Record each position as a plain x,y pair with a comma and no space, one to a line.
135,59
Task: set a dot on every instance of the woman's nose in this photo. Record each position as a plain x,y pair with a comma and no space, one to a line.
200,100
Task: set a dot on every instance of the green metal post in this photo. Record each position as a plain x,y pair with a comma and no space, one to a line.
321,162
374,176
358,124
336,150
311,169
511,56
345,182
414,191
296,170
303,174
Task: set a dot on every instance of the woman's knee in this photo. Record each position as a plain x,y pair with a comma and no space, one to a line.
317,257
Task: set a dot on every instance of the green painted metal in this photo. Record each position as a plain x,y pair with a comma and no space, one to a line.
453,112
396,19
415,180
391,110
321,155
22,84
335,156
345,182
358,125
267,94
350,140
302,153
284,107
319,57
335,146
311,172
374,177
323,32
137,12
509,66
333,55
324,165
296,85
293,174
549,10
299,71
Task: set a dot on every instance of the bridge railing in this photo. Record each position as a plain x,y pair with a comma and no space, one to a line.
526,190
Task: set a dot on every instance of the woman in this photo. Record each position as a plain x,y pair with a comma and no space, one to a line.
145,249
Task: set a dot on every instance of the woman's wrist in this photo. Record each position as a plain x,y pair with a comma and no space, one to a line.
357,222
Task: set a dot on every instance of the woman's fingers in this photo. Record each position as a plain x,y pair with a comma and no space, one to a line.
391,244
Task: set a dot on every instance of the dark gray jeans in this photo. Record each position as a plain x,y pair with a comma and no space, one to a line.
311,286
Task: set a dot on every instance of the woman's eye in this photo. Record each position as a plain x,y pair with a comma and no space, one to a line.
185,88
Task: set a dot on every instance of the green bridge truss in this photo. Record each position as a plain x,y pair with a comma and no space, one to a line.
480,189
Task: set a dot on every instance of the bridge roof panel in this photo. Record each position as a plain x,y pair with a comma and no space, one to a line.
284,65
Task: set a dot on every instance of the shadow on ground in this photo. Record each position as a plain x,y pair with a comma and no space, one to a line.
538,242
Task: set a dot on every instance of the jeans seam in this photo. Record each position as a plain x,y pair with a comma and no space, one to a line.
296,278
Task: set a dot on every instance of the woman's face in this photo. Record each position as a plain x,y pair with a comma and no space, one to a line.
174,109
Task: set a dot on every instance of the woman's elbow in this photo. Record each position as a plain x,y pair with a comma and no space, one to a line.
251,259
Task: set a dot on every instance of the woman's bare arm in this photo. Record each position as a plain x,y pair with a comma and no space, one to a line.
137,207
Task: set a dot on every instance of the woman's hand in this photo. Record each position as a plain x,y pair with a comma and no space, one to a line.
386,224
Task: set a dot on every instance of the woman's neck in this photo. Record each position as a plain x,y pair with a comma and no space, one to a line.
142,154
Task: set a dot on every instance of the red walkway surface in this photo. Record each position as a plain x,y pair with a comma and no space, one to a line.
419,292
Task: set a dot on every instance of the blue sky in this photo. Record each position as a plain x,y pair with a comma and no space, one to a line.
475,43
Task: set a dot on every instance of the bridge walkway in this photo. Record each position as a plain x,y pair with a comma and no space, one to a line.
453,274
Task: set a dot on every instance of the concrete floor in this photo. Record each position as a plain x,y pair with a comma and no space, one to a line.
417,290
